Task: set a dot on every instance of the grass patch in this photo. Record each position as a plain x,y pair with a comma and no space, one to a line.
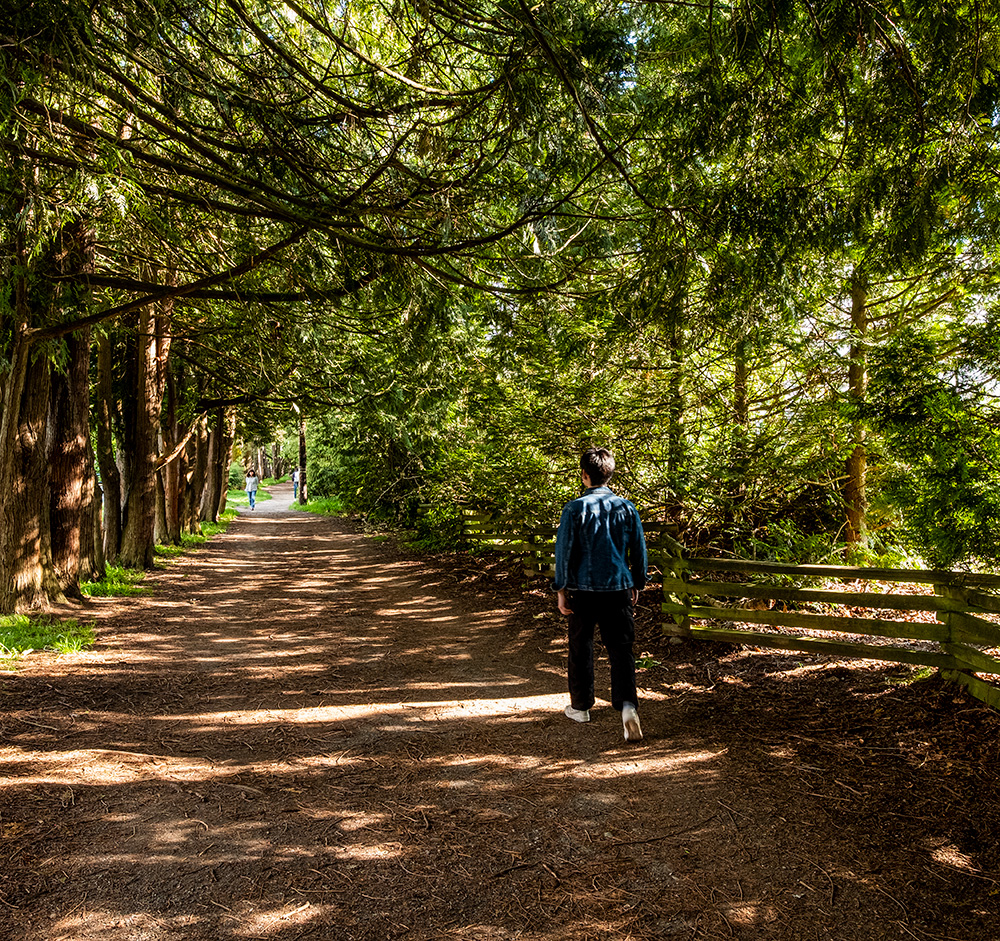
20,635
213,529
240,498
117,582
328,506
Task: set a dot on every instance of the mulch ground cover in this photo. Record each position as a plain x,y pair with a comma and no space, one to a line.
307,731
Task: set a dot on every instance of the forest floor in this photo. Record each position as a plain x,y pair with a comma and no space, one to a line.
309,732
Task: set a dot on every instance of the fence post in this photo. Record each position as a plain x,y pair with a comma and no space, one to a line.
956,600
463,534
672,554
530,563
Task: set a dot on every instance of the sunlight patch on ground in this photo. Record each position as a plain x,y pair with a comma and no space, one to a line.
105,766
99,766
428,709
951,855
517,707
472,684
359,821
637,762
254,924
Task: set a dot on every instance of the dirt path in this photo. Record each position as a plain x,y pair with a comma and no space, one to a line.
305,732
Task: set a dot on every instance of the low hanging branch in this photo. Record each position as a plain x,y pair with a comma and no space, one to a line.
164,459
254,261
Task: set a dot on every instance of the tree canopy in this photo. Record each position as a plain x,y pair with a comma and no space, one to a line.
466,241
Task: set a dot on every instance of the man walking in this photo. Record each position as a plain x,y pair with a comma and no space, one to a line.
600,570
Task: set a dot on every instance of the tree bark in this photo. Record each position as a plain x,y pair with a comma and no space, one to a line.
160,537
302,461
92,566
24,533
147,362
855,487
210,496
111,480
68,464
139,447
228,441
197,469
43,436
171,474
738,457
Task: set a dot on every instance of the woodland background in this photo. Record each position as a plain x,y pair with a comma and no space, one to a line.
751,246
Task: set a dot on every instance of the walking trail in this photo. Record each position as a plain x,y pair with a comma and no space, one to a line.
304,731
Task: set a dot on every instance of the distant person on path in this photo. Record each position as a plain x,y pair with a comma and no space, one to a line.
253,481
295,484
600,570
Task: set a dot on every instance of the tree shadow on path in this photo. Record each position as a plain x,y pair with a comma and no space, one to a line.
306,733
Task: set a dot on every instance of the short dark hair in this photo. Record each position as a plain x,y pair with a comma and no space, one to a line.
598,464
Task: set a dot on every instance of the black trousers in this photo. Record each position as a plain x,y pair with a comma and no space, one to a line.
611,611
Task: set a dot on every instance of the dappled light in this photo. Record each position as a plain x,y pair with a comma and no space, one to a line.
339,742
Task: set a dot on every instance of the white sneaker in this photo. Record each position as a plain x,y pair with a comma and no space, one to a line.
577,715
630,720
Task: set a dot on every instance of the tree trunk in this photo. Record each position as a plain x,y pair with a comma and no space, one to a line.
675,409
147,364
277,462
197,469
111,480
228,440
160,537
211,497
92,566
855,491
738,457
168,486
139,447
11,483
14,380
302,462
32,424
24,532
68,464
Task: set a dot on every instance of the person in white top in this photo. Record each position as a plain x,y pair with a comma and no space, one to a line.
253,481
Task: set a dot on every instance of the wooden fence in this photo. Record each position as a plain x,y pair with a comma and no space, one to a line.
960,640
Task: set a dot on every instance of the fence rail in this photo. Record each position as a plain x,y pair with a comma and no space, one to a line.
965,639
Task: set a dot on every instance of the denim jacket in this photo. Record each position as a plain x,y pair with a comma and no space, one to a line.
600,545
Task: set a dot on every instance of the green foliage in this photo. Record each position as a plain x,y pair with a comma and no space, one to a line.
117,582
210,529
781,540
942,461
21,635
524,232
